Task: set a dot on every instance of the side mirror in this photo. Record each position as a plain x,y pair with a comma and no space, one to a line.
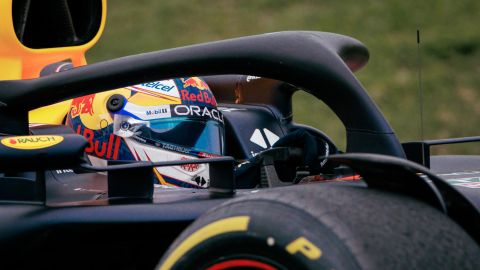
36,153
41,152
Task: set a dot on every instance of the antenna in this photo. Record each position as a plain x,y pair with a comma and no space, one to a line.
420,88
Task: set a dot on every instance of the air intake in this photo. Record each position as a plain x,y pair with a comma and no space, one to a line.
56,23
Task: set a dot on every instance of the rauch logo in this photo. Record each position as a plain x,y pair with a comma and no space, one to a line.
31,142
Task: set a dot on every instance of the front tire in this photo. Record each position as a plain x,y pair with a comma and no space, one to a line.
323,226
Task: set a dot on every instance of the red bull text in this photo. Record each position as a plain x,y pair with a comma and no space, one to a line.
103,149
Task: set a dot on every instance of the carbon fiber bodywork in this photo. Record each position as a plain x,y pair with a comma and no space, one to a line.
62,210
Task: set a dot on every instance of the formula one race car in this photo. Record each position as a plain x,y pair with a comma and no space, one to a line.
76,192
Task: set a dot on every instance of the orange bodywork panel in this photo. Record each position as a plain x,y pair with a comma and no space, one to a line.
20,62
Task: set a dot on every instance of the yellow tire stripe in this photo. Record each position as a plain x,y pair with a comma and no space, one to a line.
226,225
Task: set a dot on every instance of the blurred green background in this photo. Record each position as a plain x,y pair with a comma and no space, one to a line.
449,49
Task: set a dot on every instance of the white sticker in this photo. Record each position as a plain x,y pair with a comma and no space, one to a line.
167,87
264,139
258,139
251,78
149,112
271,137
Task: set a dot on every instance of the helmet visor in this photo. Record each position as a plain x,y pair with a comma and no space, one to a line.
199,135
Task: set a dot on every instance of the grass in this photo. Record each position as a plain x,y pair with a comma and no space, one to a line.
450,50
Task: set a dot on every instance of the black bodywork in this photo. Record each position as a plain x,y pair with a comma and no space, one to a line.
65,208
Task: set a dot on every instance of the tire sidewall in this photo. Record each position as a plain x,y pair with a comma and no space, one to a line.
277,234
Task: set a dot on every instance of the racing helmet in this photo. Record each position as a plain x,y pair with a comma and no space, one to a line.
168,120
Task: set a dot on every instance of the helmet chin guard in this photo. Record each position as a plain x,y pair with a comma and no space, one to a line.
189,175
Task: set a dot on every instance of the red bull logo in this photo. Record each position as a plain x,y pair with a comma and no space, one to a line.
195,82
82,105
